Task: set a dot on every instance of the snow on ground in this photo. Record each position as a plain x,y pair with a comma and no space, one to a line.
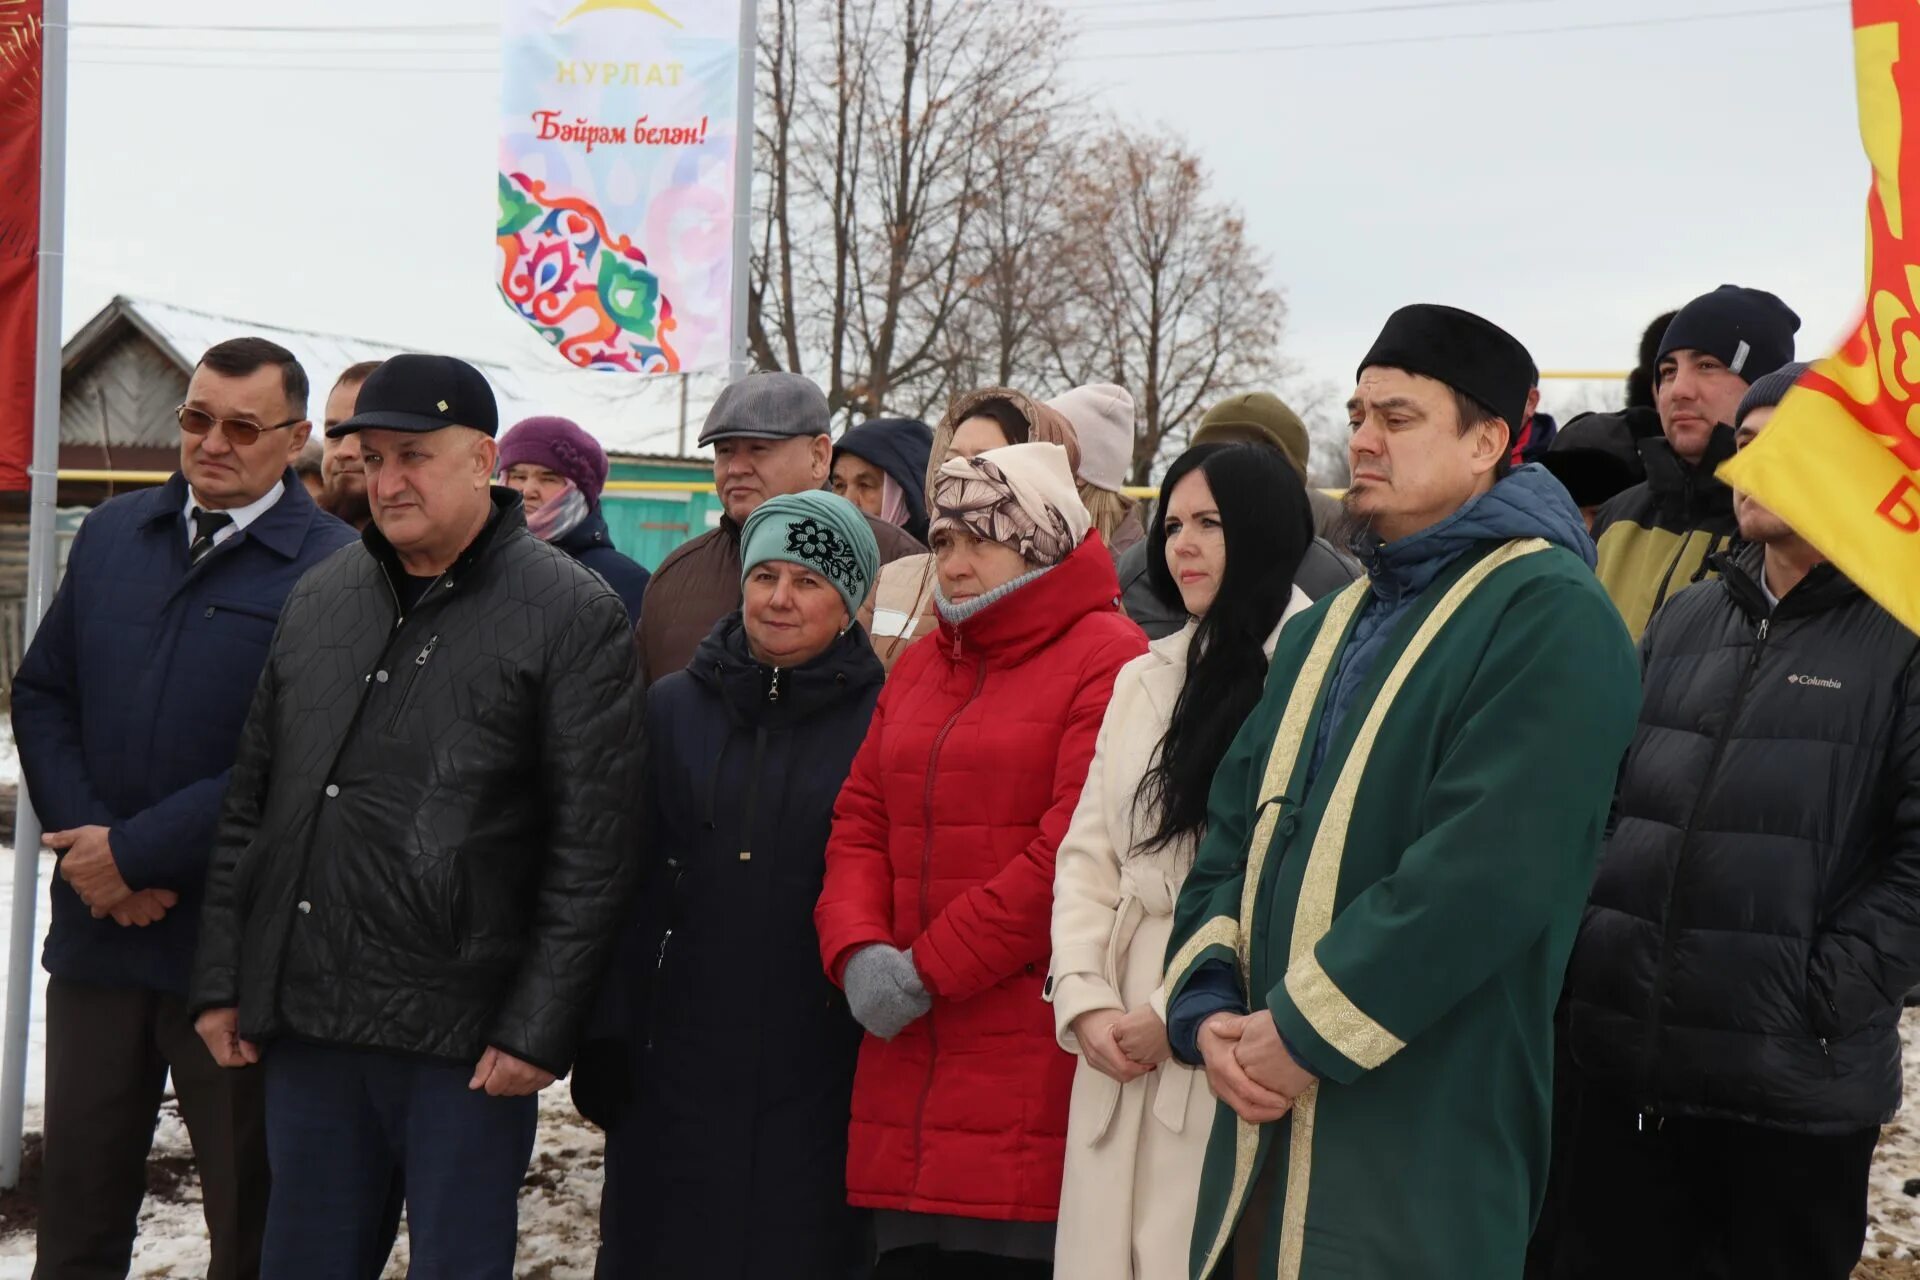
559,1207
37,1026
1893,1225
559,1203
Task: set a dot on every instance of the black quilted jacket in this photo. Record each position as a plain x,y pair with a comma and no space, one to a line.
428,841
1756,916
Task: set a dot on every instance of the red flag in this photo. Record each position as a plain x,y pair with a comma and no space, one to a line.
19,232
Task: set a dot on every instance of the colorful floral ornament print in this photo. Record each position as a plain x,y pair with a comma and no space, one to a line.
588,294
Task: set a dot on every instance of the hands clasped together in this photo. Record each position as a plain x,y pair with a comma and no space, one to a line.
1250,1067
87,864
1247,1062
1124,1046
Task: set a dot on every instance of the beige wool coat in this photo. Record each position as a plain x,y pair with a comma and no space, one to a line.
1133,1152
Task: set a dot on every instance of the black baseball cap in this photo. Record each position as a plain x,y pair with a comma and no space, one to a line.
423,393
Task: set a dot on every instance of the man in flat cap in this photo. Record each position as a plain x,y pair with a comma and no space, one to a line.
1368,951
427,845
769,433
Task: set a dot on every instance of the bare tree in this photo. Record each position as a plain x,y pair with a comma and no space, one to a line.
774,341
1322,406
1170,298
880,125
1021,282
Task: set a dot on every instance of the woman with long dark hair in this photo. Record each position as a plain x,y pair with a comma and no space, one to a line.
1232,524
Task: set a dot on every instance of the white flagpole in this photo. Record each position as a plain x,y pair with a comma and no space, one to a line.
40,562
739,361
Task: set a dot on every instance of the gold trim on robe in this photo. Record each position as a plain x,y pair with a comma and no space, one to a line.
1313,913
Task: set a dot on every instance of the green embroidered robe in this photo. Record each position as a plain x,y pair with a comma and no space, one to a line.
1408,918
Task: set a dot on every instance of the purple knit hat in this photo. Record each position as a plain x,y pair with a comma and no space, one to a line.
560,446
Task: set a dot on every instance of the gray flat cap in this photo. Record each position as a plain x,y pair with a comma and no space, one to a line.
767,406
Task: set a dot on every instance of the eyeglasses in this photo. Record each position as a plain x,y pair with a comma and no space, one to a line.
239,431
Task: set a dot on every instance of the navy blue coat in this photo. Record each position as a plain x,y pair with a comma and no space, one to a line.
128,707
738,1052
900,447
590,544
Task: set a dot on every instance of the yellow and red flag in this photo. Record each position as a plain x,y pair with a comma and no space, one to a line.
1840,461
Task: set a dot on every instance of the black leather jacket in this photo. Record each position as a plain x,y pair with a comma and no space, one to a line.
428,842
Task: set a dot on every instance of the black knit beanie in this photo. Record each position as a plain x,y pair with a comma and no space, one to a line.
1748,330
1768,391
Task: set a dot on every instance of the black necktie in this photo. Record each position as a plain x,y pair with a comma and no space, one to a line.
205,525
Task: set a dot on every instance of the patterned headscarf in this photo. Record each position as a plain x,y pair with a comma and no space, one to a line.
1022,496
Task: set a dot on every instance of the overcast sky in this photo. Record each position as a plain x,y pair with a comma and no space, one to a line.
1568,185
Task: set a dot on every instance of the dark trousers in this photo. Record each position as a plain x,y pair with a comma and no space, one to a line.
109,1050
1708,1199
342,1122
928,1262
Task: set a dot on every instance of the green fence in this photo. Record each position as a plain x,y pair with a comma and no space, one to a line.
648,525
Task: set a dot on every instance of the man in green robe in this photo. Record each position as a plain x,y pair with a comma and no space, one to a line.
1367,953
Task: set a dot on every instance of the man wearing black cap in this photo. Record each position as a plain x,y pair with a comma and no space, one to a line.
1734,999
1368,950
769,433
1655,538
426,848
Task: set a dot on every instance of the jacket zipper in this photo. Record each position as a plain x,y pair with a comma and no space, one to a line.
654,996
1651,1043
926,892
406,694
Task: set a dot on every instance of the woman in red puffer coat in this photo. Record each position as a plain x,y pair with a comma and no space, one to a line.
936,908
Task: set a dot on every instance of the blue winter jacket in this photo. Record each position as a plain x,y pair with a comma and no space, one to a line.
128,707
591,544
1529,503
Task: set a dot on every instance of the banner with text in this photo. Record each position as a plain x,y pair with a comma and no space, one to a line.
19,232
617,154
1840,460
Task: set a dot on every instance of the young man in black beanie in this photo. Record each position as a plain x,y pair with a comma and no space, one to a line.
1655,538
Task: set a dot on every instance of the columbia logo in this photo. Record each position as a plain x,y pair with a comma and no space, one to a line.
1814,682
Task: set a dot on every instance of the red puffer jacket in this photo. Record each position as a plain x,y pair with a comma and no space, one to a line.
943,841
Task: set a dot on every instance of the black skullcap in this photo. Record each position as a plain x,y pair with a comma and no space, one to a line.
1472,355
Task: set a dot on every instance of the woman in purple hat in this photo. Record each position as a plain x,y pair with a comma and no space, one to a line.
559,470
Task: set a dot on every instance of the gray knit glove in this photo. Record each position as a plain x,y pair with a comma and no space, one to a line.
884,990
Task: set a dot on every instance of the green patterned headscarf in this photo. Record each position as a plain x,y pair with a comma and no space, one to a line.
817,529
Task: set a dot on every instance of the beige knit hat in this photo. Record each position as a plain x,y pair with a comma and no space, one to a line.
1102,416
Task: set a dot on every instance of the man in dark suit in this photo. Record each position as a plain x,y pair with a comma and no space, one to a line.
127,711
